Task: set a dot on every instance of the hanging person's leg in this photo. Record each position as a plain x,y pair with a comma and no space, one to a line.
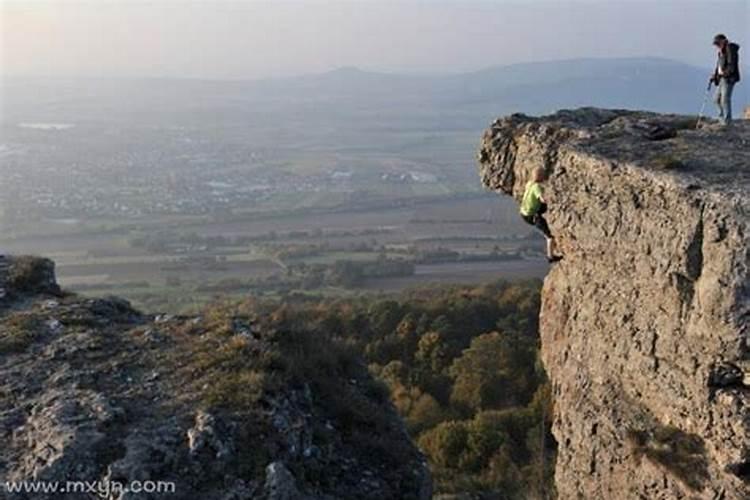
541,223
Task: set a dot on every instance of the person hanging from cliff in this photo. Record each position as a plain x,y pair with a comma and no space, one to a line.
533,208
725,76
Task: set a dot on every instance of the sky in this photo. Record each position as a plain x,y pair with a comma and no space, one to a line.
220,39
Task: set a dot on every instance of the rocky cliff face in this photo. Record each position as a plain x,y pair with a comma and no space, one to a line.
224,405
645,321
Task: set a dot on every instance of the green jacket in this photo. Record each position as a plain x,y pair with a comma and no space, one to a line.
532,198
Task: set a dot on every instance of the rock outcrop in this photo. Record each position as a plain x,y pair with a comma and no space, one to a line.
644,323
217,406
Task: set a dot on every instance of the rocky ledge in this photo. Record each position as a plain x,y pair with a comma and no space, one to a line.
232,404
645,322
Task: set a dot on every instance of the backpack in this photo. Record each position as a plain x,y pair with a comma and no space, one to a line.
733,59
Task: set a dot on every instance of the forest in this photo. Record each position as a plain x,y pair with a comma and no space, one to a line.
462,367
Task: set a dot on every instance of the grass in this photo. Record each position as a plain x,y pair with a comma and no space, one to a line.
239,390
27,273
18,332
679,452
238,374
668,162
222,373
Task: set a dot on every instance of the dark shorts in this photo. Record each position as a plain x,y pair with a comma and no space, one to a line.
538,221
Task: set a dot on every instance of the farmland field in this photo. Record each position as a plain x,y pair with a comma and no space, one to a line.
111,263
167,203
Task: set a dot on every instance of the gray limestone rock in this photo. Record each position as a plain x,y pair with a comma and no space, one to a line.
651,298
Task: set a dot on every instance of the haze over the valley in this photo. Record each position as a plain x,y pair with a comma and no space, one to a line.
166,151
220,39
275,250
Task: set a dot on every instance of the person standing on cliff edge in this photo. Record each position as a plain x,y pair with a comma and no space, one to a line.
532,210
726,75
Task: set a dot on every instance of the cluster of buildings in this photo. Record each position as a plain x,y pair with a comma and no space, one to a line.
61,172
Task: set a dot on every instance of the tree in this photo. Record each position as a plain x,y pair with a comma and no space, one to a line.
406,331
432,353
494,372
445,444
425,413
385,316
394,372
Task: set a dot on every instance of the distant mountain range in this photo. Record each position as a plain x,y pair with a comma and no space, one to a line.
653,83
466,100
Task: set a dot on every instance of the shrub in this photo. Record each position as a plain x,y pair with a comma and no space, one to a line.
426,345
32,274
18,332
502,473
685,123
668,162
445,444
235,390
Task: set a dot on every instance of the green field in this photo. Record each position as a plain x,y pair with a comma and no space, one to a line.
171,278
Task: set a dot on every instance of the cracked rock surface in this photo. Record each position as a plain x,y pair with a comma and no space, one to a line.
92,390
644,323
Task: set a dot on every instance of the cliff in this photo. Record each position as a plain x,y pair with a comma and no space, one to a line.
230,404
644,324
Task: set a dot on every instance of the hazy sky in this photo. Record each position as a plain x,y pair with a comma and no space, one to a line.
254,39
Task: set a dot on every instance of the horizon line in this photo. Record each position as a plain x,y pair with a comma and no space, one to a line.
352,68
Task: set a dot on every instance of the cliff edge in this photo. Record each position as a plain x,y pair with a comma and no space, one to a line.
98,400
644,324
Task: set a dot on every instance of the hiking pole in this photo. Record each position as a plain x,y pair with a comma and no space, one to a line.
703,106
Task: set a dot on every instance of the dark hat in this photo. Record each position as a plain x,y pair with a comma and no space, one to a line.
719,38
